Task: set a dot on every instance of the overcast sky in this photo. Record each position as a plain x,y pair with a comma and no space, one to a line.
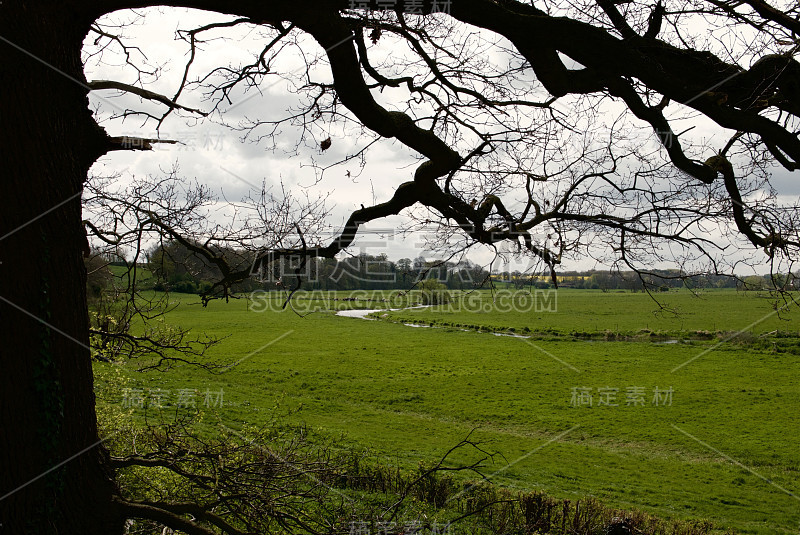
217,156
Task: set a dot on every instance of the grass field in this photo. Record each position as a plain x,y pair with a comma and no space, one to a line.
724,447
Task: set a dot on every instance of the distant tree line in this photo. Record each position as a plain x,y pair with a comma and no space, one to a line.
655,280
175,268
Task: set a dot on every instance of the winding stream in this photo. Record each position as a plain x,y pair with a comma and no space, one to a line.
364,313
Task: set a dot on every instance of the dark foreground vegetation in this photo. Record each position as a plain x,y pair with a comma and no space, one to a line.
283,479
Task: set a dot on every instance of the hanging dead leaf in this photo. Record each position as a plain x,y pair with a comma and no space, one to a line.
375,35
326,144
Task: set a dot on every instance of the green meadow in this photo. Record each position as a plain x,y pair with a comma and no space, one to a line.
686,409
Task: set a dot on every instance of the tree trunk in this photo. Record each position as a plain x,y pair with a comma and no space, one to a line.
48,142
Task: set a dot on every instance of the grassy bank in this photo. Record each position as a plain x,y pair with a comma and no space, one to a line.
573,418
